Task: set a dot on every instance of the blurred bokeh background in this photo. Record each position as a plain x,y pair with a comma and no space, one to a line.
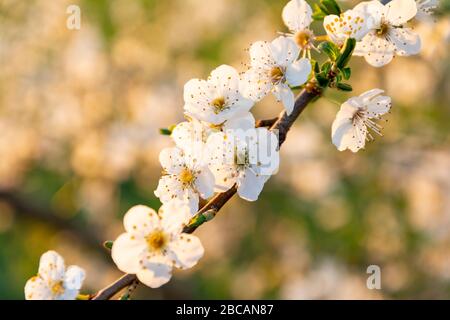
80,112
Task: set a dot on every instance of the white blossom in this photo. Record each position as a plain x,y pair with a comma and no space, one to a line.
154,243
350,129
350,24
297,16
186,177
54,281
274,67
217,99
246,158
388,35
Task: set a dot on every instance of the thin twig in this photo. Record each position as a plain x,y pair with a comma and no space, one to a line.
266,122
281,126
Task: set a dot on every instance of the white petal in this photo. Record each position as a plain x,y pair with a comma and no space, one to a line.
204,183
264,154
373,11
251,185
37,289
242,121
351,24
196,93
156,272
406,41
172,159
51,267
74,278
169,188
297,15
284,51
399,12
225,79
298,72
127,251
284,94
140,220
189,132
261,55
68,294
174,215
256,84
377,51
369,95
221,148
186,251
379,106
225,177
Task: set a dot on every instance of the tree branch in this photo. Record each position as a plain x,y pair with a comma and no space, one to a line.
281,125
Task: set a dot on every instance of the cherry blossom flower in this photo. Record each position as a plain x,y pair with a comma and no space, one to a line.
297,16
350,24
154,243
186,177
217,99
246,158
350,129
274,67
54,281
388,35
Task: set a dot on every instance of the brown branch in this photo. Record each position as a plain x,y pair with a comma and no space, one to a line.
280,125
266,122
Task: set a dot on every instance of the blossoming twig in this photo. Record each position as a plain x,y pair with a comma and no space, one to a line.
283,124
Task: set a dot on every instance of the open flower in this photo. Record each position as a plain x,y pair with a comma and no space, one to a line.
350,24
246,158
274,67
186,177
350,129
53,281
297,16
388,35
154,243
217,99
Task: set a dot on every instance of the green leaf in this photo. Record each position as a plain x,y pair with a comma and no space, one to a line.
331,7
346,53
344,86
326,67
346,73
330,49
318,14
315,66
322,80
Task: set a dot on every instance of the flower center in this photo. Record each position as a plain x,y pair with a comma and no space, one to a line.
383,29
58,288
218,104
303,39
186,176
156,240
276,74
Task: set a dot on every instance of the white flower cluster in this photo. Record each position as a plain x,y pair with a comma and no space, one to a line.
219,146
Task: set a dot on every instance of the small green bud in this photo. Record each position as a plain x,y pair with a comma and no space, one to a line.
108,244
